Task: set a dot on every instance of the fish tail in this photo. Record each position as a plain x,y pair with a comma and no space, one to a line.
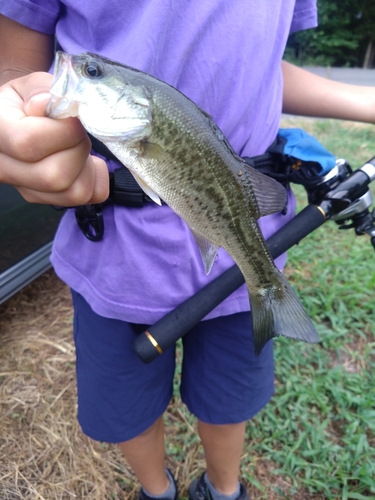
276,310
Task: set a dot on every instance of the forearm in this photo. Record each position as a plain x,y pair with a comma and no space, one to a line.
23,50
311,95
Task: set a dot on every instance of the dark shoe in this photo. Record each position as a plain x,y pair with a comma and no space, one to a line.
143,496
199,491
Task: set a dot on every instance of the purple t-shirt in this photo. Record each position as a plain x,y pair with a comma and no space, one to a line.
224,55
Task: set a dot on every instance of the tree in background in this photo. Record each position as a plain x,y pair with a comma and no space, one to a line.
369,32
345,36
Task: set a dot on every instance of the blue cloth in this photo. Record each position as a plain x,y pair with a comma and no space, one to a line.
119,396
305,147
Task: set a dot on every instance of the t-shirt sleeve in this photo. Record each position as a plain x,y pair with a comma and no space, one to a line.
305,15
35,14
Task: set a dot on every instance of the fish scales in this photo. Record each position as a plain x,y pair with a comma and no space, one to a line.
178,154
221,192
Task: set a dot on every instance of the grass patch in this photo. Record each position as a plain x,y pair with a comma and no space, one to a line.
319,430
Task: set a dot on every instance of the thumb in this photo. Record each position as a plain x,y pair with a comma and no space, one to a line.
36,104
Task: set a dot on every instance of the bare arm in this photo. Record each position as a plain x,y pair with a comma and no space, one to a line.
47,160
23,50
311,95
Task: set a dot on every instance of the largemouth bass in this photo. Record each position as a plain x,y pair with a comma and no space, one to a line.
177,154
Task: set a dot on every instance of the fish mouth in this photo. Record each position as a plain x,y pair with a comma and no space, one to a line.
62,103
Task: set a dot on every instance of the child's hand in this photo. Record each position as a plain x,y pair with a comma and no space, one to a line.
47,160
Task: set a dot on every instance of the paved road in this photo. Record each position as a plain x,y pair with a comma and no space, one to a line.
357,76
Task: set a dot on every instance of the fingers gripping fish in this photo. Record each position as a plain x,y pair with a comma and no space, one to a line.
178,155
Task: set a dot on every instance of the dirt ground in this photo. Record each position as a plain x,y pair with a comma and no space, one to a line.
43,453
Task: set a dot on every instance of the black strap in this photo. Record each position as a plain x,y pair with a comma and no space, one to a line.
125,191
273,162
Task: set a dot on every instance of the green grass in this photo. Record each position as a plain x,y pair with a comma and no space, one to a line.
319,430
318,433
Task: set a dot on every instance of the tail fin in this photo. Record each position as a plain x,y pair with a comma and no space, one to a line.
279,312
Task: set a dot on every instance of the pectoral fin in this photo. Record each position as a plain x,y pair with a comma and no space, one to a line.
152,151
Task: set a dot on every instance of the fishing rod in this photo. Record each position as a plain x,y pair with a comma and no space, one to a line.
342,196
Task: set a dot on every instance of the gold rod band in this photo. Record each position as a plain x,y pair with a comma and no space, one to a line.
153,342
322,211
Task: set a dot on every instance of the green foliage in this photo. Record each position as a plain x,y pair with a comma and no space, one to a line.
319,430
341,39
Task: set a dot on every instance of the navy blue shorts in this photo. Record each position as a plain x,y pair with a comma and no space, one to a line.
119,396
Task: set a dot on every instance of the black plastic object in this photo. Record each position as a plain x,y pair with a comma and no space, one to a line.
90,221
174,325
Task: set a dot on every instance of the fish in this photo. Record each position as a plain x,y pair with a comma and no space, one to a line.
179,156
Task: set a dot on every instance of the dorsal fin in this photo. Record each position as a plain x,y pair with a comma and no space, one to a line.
271,196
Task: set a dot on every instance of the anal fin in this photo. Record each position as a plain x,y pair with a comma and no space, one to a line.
207,249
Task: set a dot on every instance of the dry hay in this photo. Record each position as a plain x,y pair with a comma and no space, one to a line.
43,452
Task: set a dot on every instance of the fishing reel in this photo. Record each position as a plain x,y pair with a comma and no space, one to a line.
345,197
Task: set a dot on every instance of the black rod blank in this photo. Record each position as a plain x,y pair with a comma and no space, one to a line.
174,325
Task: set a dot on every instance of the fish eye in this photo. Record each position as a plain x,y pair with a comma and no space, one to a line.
92,69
